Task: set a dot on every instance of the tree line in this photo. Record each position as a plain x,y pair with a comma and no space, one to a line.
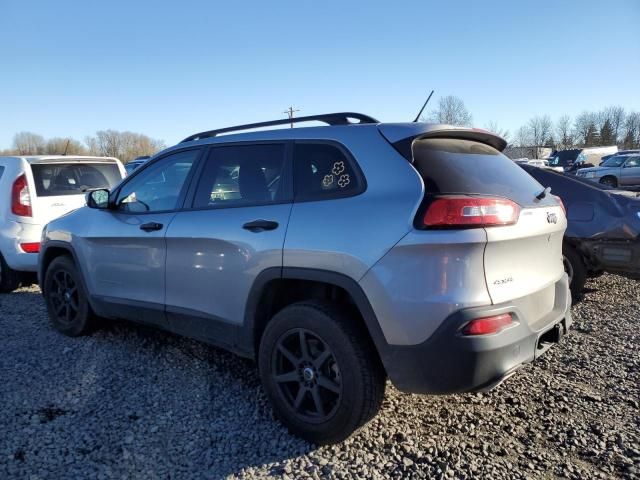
610,126
107,143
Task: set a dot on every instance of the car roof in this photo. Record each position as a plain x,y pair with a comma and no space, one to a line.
61,158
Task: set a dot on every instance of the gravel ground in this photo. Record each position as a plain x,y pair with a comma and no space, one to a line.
135,403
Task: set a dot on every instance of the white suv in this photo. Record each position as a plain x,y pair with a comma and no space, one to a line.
35,190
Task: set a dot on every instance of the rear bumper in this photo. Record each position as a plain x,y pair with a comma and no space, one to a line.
11,236
449,362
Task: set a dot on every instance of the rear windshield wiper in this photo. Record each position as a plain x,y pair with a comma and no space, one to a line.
543,193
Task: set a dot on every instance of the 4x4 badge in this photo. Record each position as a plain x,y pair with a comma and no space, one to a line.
552,217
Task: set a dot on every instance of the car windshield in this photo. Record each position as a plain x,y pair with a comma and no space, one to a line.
56,179
564,158
613,162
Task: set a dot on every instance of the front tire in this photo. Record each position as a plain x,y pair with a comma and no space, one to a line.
320,371
66,299
576,270
609,181
9,278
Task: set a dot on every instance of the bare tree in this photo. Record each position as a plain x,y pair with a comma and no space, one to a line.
28,143
540,131
585,128
631,138
493,126
68,146
523,136
564,134
616,117
123,145
451,111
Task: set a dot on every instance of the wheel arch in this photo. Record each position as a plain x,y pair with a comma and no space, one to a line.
299,284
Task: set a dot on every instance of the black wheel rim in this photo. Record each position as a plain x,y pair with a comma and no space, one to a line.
307,375
64,297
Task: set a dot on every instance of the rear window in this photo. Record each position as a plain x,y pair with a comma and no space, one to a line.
57,179
455,166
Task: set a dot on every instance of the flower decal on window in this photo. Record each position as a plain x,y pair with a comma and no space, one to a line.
327,180
344,180
338,168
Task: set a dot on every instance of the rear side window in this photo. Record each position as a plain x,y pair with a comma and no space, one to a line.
242,175
1,171
323,171
57,179
455,166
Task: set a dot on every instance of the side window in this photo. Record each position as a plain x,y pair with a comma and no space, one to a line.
239,175
1,171
323,171
633,162
158,187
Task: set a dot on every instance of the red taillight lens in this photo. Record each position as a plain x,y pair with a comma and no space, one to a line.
30,247
20,197
452,211
488,325
564,209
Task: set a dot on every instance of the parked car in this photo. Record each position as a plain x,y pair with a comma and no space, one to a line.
535,162
35,190
563,160
603,233
135,163
337,256
617,171
620,152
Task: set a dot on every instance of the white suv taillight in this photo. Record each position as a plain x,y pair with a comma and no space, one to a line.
462,211
20,197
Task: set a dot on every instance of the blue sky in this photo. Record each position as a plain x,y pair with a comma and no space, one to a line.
168,69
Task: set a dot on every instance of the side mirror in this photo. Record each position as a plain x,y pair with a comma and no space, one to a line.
98,199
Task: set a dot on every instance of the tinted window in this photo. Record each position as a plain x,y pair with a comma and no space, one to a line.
56,179
158,187
1,171
242,175
453,166
613,162
323,171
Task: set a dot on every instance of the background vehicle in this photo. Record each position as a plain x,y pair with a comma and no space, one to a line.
620,152
617,171
603,232
563,160
335,256
135,163
35,190
535,162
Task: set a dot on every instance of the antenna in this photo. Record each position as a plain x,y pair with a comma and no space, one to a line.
66,147
422,109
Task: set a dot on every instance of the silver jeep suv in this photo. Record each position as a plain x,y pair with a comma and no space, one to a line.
333,255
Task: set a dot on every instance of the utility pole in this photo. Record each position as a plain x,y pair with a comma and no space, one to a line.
290,111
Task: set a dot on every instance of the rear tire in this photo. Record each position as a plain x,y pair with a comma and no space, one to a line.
320,371
9,278
66,299
609,181
576,270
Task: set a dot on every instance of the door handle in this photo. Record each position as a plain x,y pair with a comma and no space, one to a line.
260,225
151,226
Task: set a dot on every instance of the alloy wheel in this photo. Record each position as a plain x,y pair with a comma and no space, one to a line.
307,375
64,297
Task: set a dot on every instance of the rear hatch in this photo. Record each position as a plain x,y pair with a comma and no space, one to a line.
523,253
60,187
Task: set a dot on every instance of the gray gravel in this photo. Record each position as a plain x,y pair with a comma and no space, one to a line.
135,403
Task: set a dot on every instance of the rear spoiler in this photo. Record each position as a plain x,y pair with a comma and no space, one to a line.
402,135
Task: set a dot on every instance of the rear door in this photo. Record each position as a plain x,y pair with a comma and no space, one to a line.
519,259
630,172
234,230
60,187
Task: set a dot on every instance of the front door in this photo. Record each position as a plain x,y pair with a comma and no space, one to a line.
125,246
234,230
630,172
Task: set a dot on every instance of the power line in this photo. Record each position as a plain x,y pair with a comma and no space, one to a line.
290,111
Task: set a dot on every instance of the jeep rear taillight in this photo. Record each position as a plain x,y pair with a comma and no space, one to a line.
20,197
465,212
488,325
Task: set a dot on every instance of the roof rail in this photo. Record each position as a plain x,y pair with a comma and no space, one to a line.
328,118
